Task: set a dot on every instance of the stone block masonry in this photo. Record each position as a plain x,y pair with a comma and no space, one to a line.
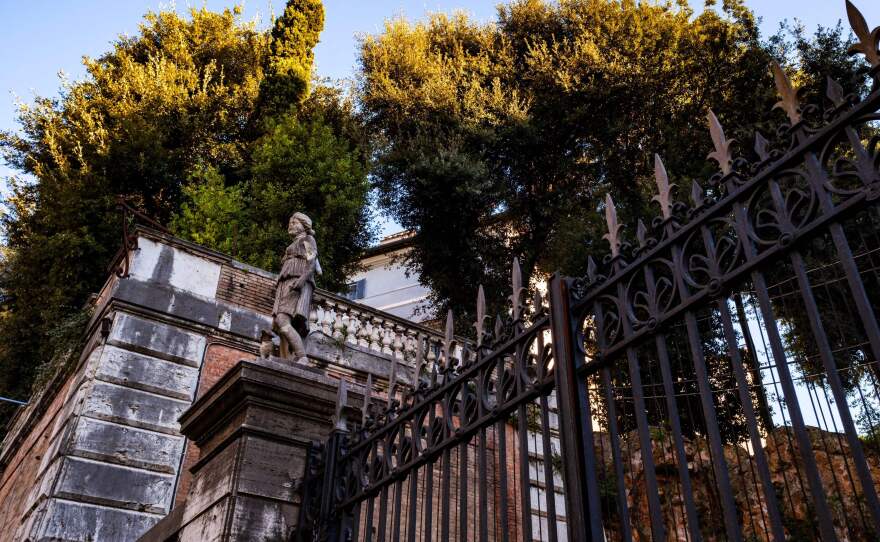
252,429
112,461
98,453
99,456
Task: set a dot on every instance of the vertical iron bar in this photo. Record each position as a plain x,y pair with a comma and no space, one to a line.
429,479
550,487
412,504
429,500
484,483
501,435
396,511
763,403
825,352
445,496
447,471
614,436
356,529
751,421
613,433
463,490
582,508
524,464
368,527
674,420
383,514
547,449
525,485
826,524
658,529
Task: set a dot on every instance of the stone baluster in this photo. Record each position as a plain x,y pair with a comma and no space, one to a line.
387,338
409,354
327,319
375,337
313,318
352,326
364,330
430,354
339,320
398,343
409,344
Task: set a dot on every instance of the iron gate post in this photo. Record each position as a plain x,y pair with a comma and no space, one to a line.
335,523
582,508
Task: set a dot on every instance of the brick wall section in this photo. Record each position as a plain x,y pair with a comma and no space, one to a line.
246,289
25,469
219,359
400,520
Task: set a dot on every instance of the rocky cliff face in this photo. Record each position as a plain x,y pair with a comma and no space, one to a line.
833,458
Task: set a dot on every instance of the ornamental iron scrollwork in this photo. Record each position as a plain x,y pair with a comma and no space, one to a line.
607,339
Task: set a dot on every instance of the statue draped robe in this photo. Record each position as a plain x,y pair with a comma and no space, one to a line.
300,259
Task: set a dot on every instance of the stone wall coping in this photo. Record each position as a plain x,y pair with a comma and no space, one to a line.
272,381
226,259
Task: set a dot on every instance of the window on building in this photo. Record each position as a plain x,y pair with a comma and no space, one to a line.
356,290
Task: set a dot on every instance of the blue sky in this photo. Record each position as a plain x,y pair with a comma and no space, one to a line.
39,38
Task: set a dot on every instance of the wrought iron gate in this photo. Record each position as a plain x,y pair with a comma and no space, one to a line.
716,380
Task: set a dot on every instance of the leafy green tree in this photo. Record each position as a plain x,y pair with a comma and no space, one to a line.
146,115
306,161
500,140
212,213
171,119
290,61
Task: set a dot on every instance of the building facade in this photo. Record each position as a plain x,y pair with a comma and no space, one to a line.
385,283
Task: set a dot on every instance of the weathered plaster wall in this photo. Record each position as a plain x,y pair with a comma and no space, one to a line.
114,450
100,456
100,459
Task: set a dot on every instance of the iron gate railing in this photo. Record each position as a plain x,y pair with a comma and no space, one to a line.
716,380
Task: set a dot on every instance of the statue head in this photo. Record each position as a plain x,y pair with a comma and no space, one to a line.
299,223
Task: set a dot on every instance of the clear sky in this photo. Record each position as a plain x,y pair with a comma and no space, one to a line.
39,38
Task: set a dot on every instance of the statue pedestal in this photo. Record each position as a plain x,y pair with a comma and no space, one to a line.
253,429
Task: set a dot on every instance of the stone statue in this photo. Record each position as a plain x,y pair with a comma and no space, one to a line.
296,283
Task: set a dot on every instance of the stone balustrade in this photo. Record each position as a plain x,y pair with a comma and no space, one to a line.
368,329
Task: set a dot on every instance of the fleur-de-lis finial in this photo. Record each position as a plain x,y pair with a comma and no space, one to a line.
449,340
499,327
341,403
762,147
591,269
481,315
789,102
721,154
697,194
368,396
613,235
834,91
869,40
516,296
641,234
664,189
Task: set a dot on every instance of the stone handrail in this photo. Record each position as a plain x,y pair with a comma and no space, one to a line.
378,332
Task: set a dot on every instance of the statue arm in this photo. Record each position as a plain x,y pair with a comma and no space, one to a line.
310,248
